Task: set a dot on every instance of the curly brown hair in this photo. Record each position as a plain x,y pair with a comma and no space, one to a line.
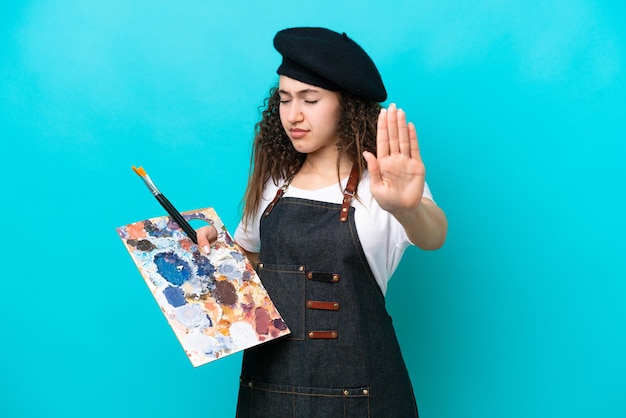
274,157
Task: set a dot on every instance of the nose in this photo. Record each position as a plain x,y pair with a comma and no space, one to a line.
294,113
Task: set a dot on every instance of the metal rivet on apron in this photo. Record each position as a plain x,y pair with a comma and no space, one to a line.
343,219
335,278
309,276
260,265
311,334
334,334
249,384
365,392
301,268
346,392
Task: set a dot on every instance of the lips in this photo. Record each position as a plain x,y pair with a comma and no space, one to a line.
298,133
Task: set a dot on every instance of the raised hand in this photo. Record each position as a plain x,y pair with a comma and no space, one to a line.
397,172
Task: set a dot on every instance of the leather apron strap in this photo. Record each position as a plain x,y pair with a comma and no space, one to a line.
348,193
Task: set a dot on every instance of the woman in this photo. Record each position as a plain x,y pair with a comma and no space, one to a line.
336,194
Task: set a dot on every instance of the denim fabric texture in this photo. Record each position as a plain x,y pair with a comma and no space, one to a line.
360,372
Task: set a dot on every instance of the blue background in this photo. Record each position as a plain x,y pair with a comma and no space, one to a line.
520,108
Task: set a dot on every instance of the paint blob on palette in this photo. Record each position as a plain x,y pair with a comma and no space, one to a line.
215,303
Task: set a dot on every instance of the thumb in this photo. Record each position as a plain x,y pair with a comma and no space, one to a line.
372,166
205,235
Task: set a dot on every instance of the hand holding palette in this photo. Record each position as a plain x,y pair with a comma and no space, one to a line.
215,302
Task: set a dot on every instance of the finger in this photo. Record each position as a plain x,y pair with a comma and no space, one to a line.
392,129
382,136
413,142
403,134
372,167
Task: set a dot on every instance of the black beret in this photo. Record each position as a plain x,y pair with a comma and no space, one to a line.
329,60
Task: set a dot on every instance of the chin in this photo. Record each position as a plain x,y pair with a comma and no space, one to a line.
300,148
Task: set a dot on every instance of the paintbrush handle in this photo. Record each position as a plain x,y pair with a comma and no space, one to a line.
177,217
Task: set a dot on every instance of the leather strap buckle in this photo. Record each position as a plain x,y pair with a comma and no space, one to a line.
325,306
323,335
323,277
348,194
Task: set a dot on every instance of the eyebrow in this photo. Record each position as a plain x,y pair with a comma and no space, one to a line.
300,92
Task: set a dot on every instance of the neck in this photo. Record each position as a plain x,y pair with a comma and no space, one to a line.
321,172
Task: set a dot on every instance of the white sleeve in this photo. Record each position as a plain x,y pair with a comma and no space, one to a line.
427,192
249,238
382,237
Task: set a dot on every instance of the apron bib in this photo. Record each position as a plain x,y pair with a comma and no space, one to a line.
342,358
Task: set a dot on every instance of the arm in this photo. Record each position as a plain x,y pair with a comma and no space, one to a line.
398,175
426,226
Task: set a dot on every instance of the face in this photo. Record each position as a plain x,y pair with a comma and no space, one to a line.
310,116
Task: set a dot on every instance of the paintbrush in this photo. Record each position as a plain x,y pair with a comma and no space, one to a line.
174,214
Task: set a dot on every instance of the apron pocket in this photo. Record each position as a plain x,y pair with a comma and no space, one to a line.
285,285
259,399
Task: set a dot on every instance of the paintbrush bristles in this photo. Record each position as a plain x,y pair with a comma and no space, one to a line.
140,171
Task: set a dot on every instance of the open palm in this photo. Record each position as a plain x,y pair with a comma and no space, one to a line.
397,171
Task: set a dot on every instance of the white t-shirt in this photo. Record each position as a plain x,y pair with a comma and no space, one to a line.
382,237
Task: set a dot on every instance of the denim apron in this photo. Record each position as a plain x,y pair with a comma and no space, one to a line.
342,358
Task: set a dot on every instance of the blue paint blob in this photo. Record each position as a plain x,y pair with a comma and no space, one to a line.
174,296
205,268
173,269
237,256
